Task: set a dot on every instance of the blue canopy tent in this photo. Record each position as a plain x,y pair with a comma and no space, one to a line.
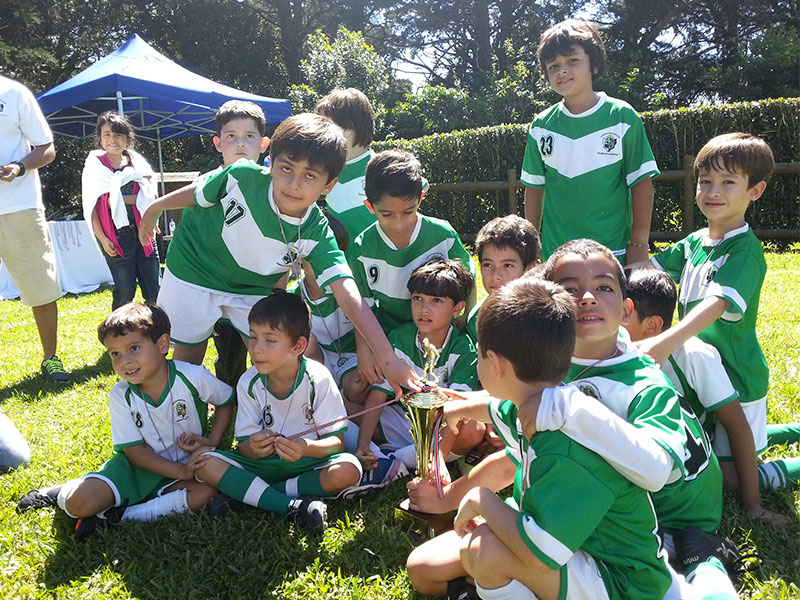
162,99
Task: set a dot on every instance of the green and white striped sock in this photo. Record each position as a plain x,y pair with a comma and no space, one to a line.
243,485
778,474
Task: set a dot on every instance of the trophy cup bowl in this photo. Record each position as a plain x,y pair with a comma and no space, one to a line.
423,409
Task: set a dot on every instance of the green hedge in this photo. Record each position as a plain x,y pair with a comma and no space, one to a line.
487,153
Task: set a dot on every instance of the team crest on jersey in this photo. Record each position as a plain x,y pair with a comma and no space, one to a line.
290,257
308,412
181,414
546,145
2,106
710,275
588,388
137,418
435,256
609,142
266,417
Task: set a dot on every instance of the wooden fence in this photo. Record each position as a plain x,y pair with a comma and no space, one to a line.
512,184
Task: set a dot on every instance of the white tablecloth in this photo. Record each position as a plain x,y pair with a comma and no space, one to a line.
80,266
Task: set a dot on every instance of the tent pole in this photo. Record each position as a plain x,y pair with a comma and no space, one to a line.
120,110
161,162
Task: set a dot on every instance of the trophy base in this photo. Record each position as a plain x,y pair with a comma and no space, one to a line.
421,526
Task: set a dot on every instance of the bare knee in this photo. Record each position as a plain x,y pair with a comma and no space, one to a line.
89,498
338,477
198,495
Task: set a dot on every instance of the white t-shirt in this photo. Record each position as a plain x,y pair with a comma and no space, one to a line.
22,125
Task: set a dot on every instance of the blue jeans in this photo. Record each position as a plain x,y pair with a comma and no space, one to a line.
134,266
14,450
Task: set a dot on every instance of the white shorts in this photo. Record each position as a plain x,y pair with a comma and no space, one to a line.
756,414
339,364
583,581
394,426
193,310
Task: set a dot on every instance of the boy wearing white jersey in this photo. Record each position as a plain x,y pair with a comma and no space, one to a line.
289,423
159,427
351,110
696,371
587,156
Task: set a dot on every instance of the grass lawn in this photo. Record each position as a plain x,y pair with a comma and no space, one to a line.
251,554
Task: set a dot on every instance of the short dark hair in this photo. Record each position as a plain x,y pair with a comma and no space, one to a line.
119,124
560,39
240,109
313,138
337,227
350,109
531,323
285,311
393,172
739,153
443,278
512,232
653,293
148,319
584,247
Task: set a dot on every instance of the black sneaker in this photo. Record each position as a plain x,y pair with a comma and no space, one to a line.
221,504
88,525
312,513
53,370
460,589
694,546
36,499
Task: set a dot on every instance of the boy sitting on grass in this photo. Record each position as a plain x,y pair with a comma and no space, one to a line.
257,224
159,427
696,371
720,271
575,528
506,247
438,290
289,451
385,254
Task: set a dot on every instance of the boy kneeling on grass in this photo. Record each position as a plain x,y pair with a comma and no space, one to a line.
578,528
159,426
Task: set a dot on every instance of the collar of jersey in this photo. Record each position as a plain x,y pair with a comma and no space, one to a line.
586,113
301,371
170,381
291,220
707,241
390,243
360,157
627,348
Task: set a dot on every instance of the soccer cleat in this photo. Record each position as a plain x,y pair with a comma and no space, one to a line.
36,499
53,370
460,589
385,472
221,504
312,513
88,525
694,546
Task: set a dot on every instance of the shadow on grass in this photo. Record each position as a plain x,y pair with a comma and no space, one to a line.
34,386
246,554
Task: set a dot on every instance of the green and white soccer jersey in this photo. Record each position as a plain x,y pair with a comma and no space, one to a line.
571,499
732,268
587,164
313,401
472,320
182,408
696,371
346,199
382,271
333,329
236,244
456,368
634,388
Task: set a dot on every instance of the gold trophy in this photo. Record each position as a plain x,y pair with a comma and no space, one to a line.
424,410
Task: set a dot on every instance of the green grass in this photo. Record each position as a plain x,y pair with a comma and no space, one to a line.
251,554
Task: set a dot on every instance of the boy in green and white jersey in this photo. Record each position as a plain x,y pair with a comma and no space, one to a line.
696,371
588,166
385,254
259,224
159,427
351,110
574,528
289,423
438,293
608,367
506,247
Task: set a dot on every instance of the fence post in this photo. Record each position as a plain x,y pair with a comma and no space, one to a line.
511,176
687,212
